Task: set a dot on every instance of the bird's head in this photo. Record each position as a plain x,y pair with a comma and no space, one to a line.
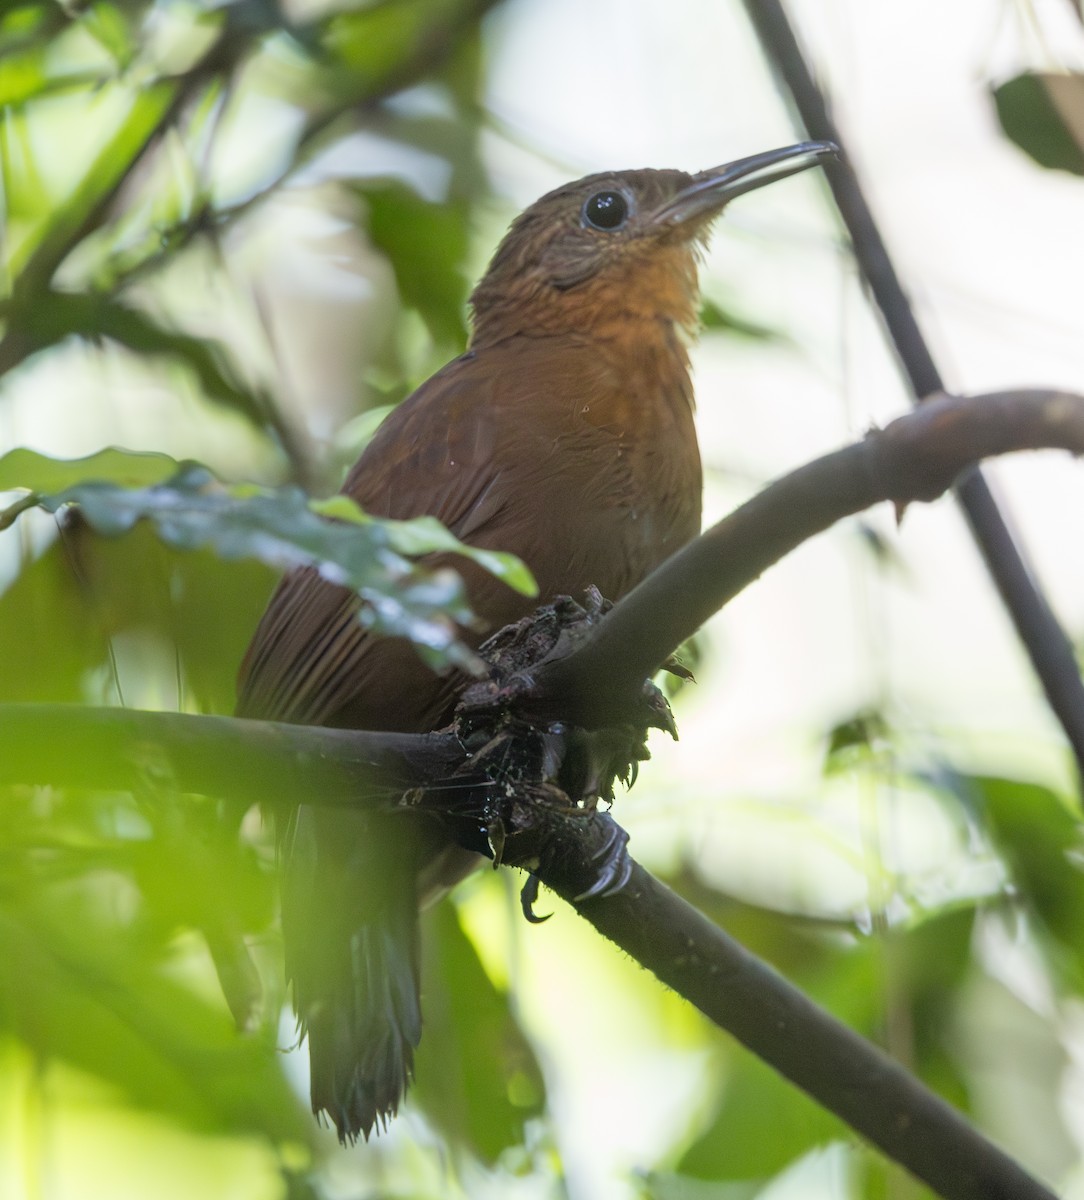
612,251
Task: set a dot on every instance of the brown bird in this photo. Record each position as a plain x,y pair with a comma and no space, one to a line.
565,435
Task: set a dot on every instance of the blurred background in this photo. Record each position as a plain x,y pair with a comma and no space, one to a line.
238,233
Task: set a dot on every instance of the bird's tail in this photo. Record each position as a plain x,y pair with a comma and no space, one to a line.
350,928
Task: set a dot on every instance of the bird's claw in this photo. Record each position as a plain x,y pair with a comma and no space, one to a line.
615,865
528,897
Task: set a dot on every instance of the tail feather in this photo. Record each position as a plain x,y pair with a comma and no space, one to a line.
350,927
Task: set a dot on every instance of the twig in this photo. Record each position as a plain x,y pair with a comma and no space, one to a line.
1049,649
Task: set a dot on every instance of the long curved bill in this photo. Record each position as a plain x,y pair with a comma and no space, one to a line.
711,189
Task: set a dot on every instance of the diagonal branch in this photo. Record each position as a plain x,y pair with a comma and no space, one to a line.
842,1071
1049,649
917,457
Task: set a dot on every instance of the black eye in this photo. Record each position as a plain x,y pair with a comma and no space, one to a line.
606,210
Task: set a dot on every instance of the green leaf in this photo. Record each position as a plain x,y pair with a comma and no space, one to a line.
1043,113
23,468
426,244
88,991
373,41
1041,838
715,318
477,1076
23,76
36,264
20,22
763,1124
50,640
41,56
106,23
855,739
280,528
84,591
53,316
426,535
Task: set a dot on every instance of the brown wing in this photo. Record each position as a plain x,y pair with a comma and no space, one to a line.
547,471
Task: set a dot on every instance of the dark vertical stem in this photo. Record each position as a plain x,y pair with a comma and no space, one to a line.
1046,643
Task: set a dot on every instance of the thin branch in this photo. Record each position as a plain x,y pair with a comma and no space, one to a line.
70,746
435,47
1049,649
917,457
841,1070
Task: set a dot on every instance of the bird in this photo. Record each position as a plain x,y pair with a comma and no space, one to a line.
564,433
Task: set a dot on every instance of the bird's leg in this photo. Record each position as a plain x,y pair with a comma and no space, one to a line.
540,781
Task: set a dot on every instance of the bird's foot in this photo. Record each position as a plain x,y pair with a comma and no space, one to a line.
537,827
604,868
535,783
609,858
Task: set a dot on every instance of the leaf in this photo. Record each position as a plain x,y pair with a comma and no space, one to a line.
476,1074
855,739
1041,837
1043,113
23,468
426,244
84,990
406,599
51,317
36,264
763,1124
426,535
106,23
375,41
39,56
84,591
715,318
210,636
49,639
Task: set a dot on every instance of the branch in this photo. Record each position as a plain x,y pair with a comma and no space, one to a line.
917,457
436,46
841,1070
124,749
1049,649
120,749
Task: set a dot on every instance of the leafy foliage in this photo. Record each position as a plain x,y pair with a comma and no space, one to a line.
283,529
477,1071
1042,840
101,895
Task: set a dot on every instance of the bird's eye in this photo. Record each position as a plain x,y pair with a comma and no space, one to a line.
606,211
